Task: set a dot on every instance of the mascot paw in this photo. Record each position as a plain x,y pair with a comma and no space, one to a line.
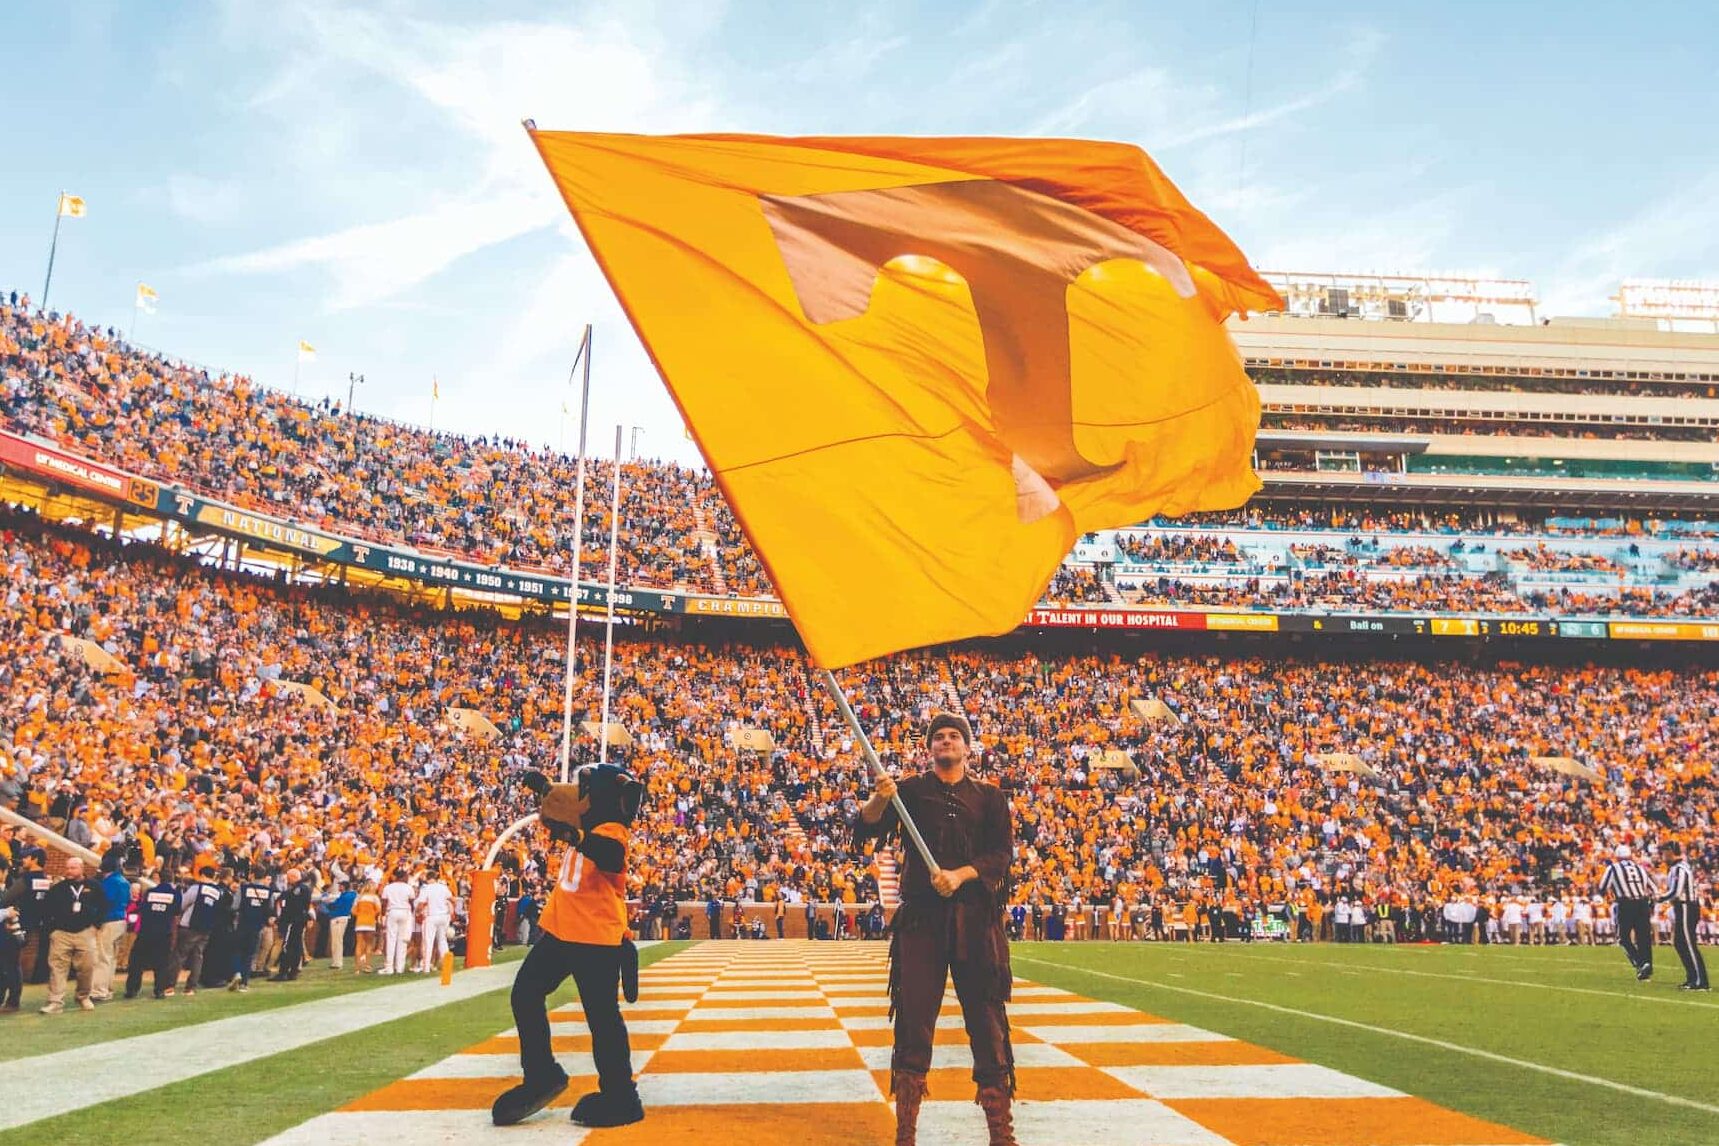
603,1109
526,1099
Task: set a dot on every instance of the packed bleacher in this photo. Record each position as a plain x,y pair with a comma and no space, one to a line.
507,502
1494,383
249,724
1596,428
195,742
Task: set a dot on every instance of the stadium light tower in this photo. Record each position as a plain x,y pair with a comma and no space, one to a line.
1672,301
1402,298
353,381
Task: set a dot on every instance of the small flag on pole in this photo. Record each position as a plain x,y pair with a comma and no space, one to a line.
435,389
306,352
72,206
146,298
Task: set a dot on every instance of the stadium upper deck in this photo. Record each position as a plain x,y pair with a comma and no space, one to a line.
1361,403
1345,524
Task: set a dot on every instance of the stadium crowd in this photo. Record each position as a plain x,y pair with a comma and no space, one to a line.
197,753
1599,427
491,500
1495,383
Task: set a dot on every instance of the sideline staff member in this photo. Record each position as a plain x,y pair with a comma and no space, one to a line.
74,909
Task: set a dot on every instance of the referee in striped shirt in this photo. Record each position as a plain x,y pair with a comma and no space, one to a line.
1686,914
1634,889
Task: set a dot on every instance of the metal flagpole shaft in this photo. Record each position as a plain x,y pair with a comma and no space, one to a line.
584,355
609,620
907,824
52,248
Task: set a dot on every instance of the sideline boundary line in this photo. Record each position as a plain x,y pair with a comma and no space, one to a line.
1344,964
1458,1048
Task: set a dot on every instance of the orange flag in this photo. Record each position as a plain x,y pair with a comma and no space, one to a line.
920,368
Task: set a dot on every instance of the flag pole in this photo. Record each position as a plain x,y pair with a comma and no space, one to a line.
297,363
870,754
131,335
53,247
583,355
609,620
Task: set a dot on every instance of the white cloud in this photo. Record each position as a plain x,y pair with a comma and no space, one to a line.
1675,236
1405,237
466,87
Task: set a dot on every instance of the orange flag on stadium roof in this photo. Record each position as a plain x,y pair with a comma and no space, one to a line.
919,369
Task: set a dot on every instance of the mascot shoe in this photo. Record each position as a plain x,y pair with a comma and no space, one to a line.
524,1100
601,1108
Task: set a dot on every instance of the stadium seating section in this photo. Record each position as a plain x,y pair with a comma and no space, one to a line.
196,743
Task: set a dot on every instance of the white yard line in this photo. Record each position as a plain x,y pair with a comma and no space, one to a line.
36,1087
1343,967
1457,1048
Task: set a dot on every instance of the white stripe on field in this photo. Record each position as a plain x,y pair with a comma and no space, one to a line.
1675,1001
1457,1048
36,1086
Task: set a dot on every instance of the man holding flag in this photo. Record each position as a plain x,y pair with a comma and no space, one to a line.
950,922
928,364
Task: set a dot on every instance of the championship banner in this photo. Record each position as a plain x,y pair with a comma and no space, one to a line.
735,607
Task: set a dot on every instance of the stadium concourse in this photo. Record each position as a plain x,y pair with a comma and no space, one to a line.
791,1042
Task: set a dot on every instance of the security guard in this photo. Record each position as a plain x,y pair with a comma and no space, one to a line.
1685,918
295,913
256,908
28,894
157,912
204,903
1632,886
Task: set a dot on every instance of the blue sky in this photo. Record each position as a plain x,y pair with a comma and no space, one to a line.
355,174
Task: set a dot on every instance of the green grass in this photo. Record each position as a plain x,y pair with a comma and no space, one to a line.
1578,1011
255,1100
29,1033
1598,1022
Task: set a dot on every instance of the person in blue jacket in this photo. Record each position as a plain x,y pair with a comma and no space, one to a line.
117,889
337,909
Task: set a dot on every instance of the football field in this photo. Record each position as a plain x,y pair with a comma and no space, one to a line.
1115,1045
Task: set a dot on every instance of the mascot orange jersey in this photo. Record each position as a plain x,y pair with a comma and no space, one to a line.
589,905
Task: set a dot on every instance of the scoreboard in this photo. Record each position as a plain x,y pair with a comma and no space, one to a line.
1521,626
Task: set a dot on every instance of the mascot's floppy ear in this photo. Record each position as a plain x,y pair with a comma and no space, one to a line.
632,795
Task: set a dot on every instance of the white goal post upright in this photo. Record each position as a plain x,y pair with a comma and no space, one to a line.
609,617
481,904
584,355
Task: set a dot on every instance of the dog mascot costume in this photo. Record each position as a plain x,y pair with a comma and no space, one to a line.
583,934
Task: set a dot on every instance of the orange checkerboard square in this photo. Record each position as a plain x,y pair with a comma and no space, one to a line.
1344,1122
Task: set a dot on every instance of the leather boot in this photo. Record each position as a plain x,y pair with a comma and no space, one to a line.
999,1118
909,1093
